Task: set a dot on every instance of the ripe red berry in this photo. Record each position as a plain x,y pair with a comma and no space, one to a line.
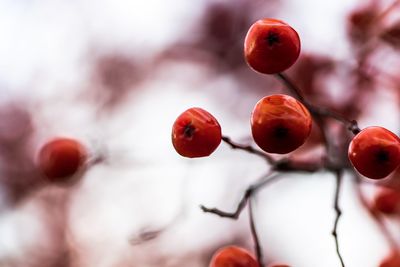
196,133
393,260
375,152
280,124
387,201
61,158
271,46
233,256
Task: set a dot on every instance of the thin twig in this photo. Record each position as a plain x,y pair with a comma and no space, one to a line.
264,180
246,199
248,148
256,240
351,125
292,87
281,165
338,211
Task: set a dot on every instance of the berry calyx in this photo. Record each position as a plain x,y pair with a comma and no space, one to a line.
271,46
61,158
375,152
233,256
280,124
196,133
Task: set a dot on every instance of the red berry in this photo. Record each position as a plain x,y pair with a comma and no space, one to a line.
393,260
387,201
233,256
271,46
196,133
280,124
375,152
61,158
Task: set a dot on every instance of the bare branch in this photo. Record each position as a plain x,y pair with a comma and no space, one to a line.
351,125
256,240
264,180
248,148
338,211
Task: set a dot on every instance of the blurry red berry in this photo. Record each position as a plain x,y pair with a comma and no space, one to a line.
393,260
361,23
61,158
375,152
280,124
387,201
233,256
271,46
196,133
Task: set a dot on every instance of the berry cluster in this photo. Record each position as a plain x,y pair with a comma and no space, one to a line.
280,124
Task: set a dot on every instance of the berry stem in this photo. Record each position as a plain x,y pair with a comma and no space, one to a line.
292,87
351,125
282,165
339,175
247,148
256,240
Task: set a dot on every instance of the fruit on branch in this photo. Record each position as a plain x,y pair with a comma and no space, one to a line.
271,46
196,133
387,201
375,152
280,124
61,158
233,256
393,260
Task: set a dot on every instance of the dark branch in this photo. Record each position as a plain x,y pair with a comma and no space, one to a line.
266,179
246,199
256,240
292,87
338,211
282,165
318,111
247,148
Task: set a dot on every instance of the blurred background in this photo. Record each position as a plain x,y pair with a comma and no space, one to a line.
116,74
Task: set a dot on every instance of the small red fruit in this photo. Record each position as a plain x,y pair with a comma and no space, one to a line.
387,201
393,260
233,256
375,152
280,124
196,133
61,158
271,46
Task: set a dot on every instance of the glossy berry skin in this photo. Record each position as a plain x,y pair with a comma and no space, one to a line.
233,256
387,201
196,133
271,46
61,158
393,260
375,152
280,124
